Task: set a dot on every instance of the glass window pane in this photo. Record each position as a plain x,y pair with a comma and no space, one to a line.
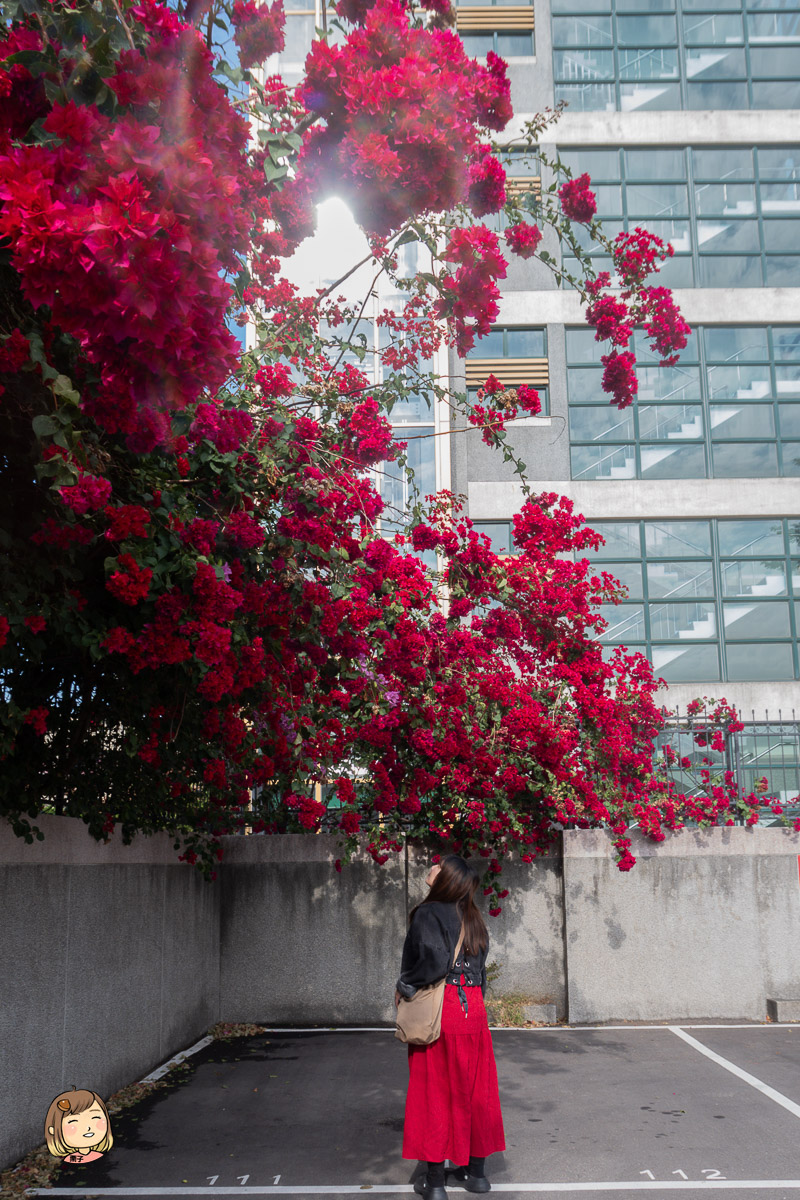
584,6
666,200
712,29
677,539
787,381
670,421
716,95
773,27
669,383
599,164
718,270
601,423
736,342
779,198
584,65
646,31
582,347
786,342
779,164
587,97
703,64
525,343
761,660
584,384
790,420
621,540
692,664
477,45
603,462
490,346
498,533
735,460
782,271
783,236
299,35
515,45
629,575
775,63
722,165
720,5
625,623
790,452
742,421
658,97
582,31
759,577
727,237
682,622
680,579
648,64
776,95
726,199
655,164
673,462
737,538
739,381
759,620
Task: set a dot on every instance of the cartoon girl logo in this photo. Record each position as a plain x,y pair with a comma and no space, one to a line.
77,1127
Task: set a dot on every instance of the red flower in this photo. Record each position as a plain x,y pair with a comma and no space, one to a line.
89,493
37,718
132,583
258,30
578,203
619,378
36,624
487,191
523,239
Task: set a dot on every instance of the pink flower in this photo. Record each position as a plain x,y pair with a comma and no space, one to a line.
523,239
132,583
487,192
578,203
88,494
257,30
37,719
619,378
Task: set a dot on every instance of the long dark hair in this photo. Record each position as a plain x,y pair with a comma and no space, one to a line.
457,883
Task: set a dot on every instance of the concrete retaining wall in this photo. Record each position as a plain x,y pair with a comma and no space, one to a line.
109,961
115,957
707,924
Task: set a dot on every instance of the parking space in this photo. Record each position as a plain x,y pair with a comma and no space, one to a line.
609,1109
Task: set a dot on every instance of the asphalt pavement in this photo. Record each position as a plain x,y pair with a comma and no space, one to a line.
610,1110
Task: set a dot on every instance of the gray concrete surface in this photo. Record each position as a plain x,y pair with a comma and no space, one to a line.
295,1112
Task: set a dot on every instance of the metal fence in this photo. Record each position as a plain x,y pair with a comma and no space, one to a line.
763,757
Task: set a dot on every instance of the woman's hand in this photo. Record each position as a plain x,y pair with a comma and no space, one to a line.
397,998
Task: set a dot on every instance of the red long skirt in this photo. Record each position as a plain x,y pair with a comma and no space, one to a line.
453,1105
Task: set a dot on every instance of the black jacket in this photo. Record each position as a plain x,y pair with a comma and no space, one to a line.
429,948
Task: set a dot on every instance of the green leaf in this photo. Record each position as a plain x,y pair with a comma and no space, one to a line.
44,426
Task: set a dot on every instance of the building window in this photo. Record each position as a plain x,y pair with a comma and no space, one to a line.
730,408
732,216
707,600
515,356
695,54
507,29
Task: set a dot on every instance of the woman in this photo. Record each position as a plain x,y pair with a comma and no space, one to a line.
452,1106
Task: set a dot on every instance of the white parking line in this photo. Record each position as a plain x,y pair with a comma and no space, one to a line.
758,1084
624,1185
177,1058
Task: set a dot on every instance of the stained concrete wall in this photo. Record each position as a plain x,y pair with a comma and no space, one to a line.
115,957
110,962
707,924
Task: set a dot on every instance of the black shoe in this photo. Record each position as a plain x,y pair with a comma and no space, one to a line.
473,1183
428,1193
